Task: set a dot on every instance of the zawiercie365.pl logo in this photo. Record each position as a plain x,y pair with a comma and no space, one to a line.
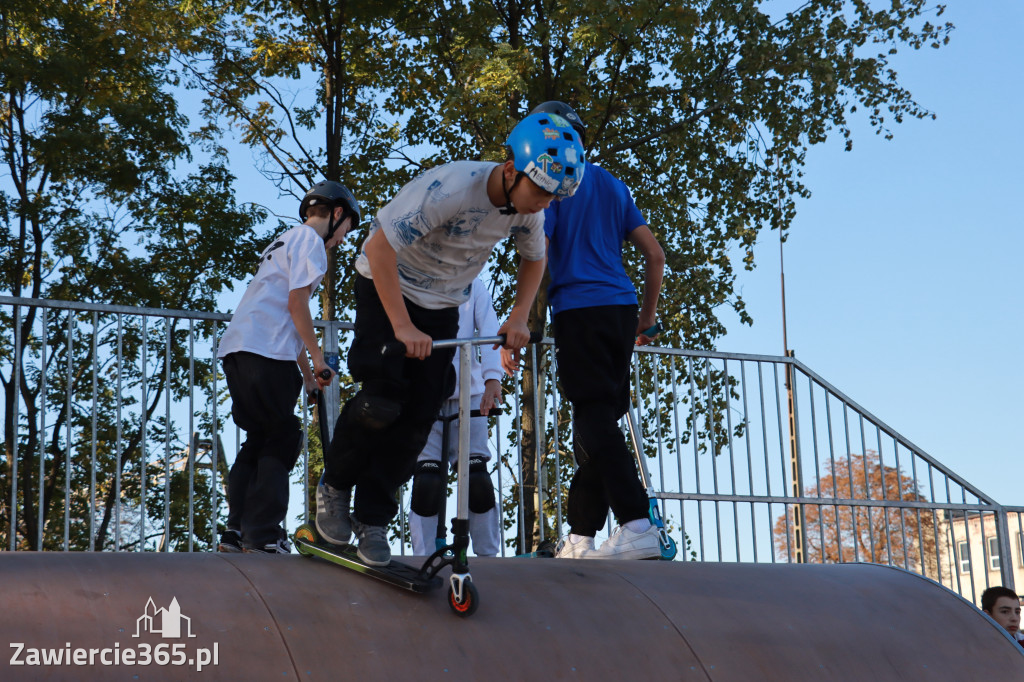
169,623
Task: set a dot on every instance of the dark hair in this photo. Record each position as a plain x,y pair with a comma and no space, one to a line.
319,210
990,596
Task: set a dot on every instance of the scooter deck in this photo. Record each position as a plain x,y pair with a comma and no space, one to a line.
396,573
545,550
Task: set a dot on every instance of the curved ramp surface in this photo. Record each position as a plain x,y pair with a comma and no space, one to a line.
262,617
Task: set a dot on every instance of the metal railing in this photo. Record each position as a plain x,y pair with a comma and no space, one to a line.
118,436
839,485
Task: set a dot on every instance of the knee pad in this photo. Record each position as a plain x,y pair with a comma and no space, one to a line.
428,486
375,412
481,490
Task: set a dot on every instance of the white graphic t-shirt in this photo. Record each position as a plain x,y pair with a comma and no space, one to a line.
262,323
443,227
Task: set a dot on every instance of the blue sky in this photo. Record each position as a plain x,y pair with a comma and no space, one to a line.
902,270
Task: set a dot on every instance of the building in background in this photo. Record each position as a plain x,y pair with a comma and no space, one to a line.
972,560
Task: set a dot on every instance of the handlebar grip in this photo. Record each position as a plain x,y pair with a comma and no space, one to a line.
652,331
535,337
325,374
392,349
495,412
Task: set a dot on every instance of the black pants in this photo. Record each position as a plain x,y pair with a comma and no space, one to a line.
593,347
378,461
263,396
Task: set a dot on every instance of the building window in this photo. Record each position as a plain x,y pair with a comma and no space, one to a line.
1020,547
993,554
963,553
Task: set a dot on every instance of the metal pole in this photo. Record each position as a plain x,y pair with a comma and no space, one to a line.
1005,556
794,451
797,485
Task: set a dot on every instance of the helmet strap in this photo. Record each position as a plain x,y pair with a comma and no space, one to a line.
332,224
509,208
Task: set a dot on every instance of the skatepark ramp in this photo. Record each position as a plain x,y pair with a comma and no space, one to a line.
151,616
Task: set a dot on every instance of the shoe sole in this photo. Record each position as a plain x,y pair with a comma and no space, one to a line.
368,562
632,554
229,549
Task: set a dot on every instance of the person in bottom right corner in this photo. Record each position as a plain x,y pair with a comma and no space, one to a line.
1003,605
596,322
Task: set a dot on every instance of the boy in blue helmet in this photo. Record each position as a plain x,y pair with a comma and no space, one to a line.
415,268
269,332
596,322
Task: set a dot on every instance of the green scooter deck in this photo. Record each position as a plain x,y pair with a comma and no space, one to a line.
308,543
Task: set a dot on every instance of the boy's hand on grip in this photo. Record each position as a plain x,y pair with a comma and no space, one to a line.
417,344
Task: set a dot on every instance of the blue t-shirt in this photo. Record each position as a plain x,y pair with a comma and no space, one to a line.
586,232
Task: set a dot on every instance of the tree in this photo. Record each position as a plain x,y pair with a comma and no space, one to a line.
837,533
92,207
302,81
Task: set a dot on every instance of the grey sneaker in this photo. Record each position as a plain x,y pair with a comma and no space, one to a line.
373,545
332,514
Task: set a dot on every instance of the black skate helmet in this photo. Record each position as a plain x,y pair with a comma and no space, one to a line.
330,193
565,111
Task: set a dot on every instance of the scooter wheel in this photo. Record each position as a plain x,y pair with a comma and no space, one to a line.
669,553
470,600
546,549
306,533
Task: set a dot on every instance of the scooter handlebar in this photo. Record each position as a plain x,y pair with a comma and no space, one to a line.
393,349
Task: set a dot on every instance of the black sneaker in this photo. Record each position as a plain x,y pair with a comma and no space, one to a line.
281,546
230,541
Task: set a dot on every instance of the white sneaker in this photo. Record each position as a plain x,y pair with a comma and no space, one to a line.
584,549
627,544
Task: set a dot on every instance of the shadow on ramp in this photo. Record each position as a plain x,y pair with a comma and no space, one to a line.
101,615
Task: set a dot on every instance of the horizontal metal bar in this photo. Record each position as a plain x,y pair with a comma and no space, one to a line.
826,501
892,433
717,355
109,308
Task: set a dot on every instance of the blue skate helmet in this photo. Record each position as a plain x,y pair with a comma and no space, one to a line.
546,149
330,193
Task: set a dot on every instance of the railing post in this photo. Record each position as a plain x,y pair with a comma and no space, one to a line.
799,554
1005,555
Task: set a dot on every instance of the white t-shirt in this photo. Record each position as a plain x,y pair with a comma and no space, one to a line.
477,318
443,227
262,323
